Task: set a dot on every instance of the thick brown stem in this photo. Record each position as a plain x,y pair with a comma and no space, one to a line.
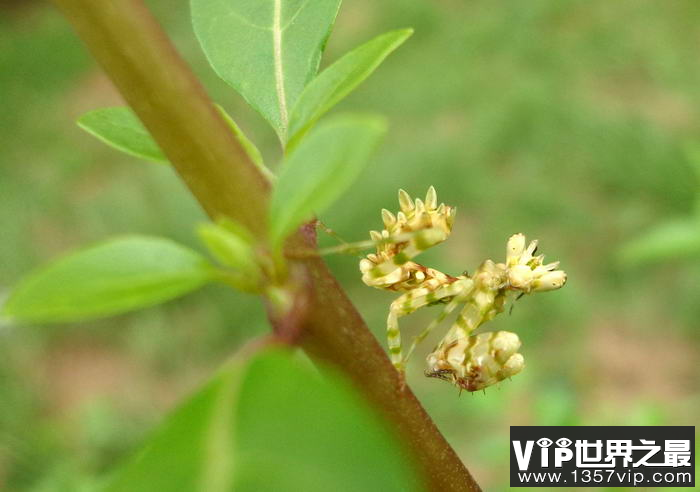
141,61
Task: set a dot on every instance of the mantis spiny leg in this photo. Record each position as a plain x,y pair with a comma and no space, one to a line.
460,291
418,241
406,304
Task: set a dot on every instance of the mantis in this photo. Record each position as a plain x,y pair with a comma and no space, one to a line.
469,361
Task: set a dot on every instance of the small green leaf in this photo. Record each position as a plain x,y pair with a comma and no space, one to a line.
113,277
232,246
341,78
271,423
317,172
267,50
120,128
678,239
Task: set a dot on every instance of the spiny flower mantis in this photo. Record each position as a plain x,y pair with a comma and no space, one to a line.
471,362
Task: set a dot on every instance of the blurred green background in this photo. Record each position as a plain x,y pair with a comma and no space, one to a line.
566,120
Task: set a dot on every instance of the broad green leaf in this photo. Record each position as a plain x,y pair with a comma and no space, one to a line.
673,240
296,431
113,277
318,171
120,128
270,423
193,451
268,50
338,80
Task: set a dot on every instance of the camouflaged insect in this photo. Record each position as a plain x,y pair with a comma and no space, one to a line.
471,362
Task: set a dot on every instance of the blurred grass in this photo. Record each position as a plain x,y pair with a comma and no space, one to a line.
562,119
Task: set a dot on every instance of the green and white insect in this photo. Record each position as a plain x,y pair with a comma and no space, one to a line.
471,362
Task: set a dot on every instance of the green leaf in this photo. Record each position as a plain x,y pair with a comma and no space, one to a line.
267,50
193,451
120,128
673,240
271,424
113,277
232,246
341,78
296,431
320,169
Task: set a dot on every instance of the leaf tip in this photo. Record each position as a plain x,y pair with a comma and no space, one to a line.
399,36
82,122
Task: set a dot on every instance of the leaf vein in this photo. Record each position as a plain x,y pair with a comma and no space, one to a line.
279,69
233,13
296,14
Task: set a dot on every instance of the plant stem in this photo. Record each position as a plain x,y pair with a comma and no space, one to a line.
141,61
